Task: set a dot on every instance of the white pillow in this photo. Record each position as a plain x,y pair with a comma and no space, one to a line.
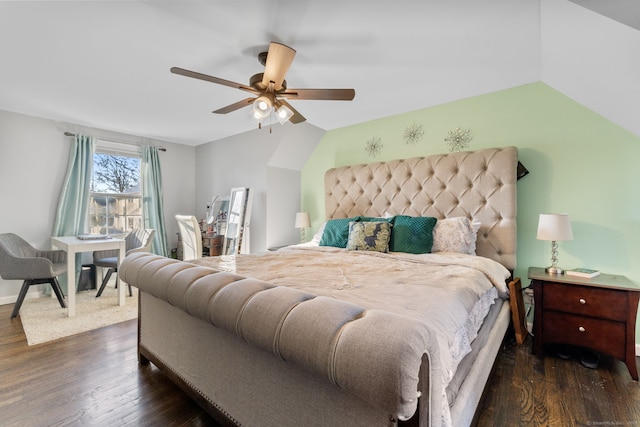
455,235
318,236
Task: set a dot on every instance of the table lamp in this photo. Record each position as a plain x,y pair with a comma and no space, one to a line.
302,222
554,227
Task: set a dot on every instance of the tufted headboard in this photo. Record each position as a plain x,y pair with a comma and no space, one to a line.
480,185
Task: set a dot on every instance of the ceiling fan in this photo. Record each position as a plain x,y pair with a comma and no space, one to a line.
269,89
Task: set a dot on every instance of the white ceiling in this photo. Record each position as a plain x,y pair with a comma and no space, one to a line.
624,11
106,64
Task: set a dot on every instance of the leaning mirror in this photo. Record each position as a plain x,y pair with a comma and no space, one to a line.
237,234
217,215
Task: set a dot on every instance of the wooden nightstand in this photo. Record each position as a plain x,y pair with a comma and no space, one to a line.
597,313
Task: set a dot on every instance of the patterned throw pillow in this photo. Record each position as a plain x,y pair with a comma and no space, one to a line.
388,219
369,236
413,235
455,235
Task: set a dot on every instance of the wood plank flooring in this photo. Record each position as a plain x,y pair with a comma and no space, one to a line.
89,379
525,390
93,379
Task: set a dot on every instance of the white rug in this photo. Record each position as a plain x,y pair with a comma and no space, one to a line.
44,320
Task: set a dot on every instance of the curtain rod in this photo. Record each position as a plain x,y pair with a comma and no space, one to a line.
128,143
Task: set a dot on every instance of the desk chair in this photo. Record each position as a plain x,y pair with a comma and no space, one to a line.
190,235
138,240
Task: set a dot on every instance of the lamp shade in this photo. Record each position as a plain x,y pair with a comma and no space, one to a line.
261,107
283,113
302,220
554,227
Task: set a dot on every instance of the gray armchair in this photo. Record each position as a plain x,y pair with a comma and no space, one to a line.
138,240
19,260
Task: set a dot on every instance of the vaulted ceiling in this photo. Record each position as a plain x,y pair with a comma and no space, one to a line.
106,64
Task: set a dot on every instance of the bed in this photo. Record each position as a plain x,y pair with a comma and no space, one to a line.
322,334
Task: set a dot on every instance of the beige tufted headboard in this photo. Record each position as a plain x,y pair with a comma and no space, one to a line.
480,185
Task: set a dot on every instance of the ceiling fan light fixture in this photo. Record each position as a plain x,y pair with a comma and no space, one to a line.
262,107
283,113
266,87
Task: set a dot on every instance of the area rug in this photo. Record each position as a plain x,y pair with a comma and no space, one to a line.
44,320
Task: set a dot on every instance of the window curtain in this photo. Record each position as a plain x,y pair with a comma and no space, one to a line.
152,204
71,216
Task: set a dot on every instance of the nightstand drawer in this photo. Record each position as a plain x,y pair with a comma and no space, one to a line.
597,334
594,302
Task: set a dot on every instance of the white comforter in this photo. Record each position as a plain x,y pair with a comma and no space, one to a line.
451,293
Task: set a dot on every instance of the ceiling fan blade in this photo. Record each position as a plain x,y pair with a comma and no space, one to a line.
321,94
207,78
279,59
297,117
235,106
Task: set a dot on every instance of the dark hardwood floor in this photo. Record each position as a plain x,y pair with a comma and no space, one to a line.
93,379
89,379
525,390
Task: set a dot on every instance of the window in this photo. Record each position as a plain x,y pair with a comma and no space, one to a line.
115,205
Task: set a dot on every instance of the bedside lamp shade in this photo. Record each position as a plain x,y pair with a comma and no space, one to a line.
554,227
302,222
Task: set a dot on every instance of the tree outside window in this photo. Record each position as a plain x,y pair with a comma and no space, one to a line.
116,201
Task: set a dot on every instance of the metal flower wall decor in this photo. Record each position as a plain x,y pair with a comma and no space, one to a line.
412,134
373,146
458,139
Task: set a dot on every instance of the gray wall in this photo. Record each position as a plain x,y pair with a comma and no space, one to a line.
34,155
267,161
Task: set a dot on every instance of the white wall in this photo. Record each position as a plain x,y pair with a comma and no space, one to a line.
34,155
282,206
593,60
267,160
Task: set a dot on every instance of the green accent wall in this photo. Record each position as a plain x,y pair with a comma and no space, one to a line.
579,163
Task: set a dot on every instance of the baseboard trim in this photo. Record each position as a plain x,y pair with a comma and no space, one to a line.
13,298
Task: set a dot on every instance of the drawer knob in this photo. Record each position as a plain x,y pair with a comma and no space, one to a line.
583,301
581,329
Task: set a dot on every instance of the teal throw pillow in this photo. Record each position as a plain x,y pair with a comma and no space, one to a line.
413,235
369,236
336,232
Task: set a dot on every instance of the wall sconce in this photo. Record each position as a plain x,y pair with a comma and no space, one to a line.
302,222
554,227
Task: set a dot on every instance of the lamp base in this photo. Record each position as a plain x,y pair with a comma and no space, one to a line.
554,270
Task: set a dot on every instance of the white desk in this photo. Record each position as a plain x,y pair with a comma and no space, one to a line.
72,245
